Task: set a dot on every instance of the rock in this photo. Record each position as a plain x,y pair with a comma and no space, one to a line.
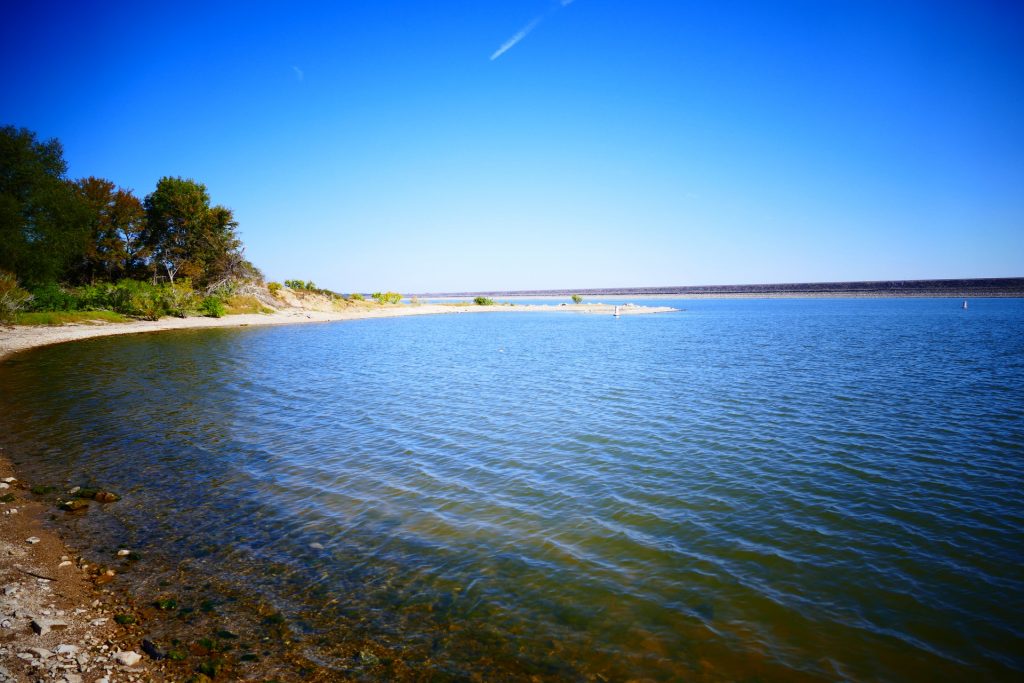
65,563
123,552
64,649
43,626
9,480
4,485
368,658
40,652
152,649
32,540
74,505
127,658
72,678
106,497
6,623
316,546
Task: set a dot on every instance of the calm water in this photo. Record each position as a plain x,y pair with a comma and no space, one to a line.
785,489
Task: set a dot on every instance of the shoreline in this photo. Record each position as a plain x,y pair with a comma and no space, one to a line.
24,337
62,616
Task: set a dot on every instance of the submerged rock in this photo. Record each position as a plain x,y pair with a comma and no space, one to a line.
128,658
152,649
74,505
106,497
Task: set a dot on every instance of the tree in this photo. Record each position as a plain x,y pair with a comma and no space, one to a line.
43,224
117,222
190,238
577,299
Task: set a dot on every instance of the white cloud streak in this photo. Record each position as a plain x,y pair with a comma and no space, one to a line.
299,74
525,31
511,42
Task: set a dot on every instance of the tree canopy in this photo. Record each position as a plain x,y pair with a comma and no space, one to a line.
53,229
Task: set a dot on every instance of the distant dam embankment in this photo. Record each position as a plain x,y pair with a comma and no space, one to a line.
973,287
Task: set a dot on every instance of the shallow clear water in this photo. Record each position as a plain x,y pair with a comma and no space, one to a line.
779,489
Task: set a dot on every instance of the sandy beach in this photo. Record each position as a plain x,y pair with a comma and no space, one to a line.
21,337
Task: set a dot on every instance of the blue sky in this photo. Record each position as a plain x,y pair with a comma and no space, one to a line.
421,147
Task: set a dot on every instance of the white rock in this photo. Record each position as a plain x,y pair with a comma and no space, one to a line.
31,540
74,489
65,563
6,623
64,649
122,552
40,652
12,511
4,485
127,658
72,678
9,480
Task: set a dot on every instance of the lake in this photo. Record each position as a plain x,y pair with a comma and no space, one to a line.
796,489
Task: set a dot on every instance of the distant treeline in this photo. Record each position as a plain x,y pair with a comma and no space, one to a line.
54,229
977,287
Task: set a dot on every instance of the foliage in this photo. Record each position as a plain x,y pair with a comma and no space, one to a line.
116,222
43,225
274,287
386,297
51,297
187,236
213,307
12,298
179,299
483,301
577,299
356,296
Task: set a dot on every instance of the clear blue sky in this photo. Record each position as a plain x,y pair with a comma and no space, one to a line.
418,146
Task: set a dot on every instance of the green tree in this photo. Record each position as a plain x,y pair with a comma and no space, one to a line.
483,301
43,224
577,299
188,237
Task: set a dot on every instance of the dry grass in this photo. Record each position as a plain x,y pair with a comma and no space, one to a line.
65,317
241,303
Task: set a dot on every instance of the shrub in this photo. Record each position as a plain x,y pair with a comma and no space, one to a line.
179,299
50,297
137,298
483,301
577,299
356,296
12,298
274,287
213,307
386,297
242,303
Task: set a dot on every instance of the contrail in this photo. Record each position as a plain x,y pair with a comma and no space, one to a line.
510,43
525,31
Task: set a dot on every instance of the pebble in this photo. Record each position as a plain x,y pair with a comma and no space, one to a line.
65,563
316,546
9,480
39,652
4,485
64,649
122,552
32,540
127,658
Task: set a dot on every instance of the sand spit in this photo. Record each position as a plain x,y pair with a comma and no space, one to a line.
20,338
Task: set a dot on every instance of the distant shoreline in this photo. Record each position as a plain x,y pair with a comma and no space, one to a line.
23,337
1012,287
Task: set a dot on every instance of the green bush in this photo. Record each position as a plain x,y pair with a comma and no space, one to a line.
274,287
213,306
483,301
356,296
12,298
51,297
179,299
386,297
577,299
